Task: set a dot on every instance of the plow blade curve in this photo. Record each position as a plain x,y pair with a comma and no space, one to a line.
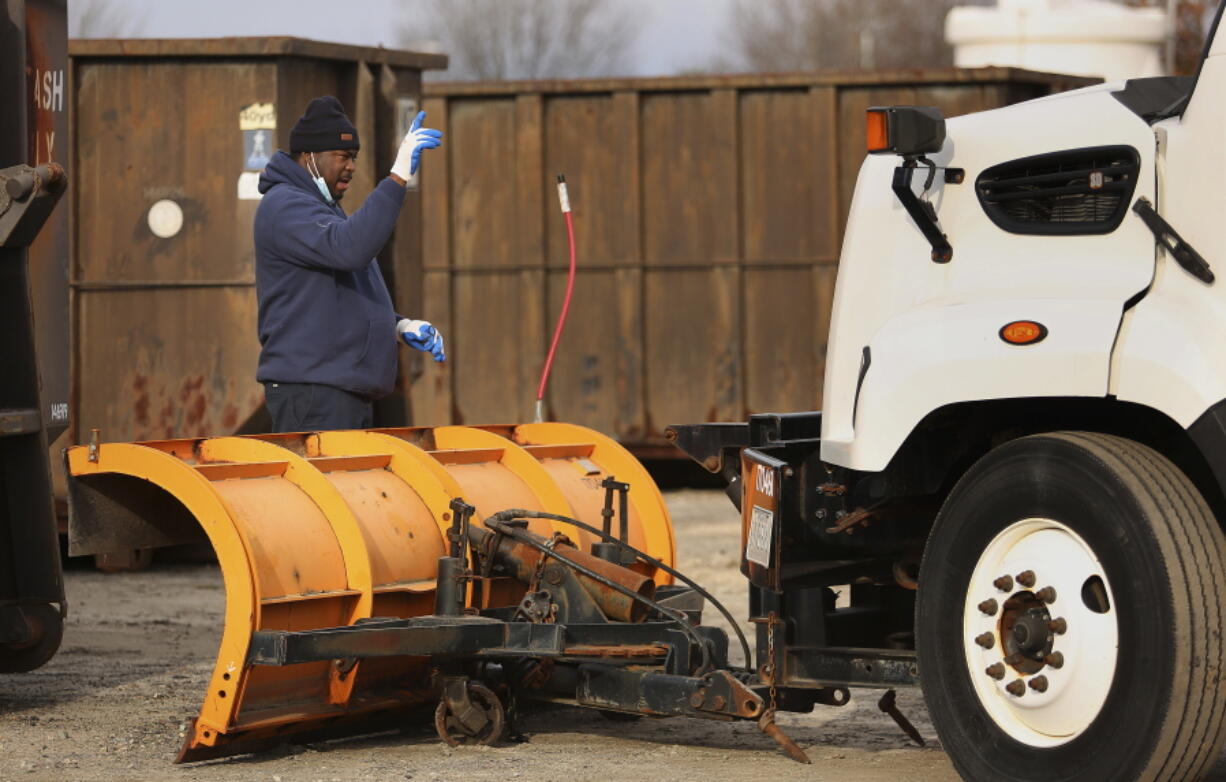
327,529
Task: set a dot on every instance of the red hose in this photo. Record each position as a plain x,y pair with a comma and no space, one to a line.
570,288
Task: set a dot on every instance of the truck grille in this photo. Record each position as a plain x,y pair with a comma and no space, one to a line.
1076,191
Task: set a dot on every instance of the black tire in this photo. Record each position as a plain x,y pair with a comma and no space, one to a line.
48,631
455,734
1163,556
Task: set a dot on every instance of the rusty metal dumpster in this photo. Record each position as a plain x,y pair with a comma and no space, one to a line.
170,138
709,213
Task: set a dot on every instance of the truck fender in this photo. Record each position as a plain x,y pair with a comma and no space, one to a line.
948,353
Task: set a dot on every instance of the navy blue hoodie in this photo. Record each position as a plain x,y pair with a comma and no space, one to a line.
325,315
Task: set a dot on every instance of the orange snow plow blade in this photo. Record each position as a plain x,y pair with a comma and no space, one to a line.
326,529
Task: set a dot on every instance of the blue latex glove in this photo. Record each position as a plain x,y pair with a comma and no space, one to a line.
417,139
421,335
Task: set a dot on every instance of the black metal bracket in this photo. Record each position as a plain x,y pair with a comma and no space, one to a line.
487,637
922,212
718,695
616,553
457,536
464,711
807,666
609,484
1183,253
453,572
28,195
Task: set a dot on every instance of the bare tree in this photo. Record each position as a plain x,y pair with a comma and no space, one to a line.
787,35
102,19
808,34
526,39
782,35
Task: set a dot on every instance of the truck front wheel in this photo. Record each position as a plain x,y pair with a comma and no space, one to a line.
1069,618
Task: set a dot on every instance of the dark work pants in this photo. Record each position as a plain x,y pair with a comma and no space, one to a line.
310,407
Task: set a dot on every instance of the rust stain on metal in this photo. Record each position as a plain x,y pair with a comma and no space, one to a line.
140,407
847,523
194,412
524,560
190,386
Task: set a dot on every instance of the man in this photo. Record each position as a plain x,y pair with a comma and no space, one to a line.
327,326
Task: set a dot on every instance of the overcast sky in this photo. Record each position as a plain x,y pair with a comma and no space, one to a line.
674,35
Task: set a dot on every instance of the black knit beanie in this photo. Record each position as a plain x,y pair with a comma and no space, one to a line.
323,126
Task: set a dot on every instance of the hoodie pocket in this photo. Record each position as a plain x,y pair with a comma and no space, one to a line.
366,343
377,361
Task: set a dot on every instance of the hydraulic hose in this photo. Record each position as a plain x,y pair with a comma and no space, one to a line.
519,513
564,201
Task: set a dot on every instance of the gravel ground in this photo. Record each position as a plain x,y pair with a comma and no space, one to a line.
138,649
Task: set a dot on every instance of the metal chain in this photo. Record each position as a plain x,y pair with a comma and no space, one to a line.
535,584
770,654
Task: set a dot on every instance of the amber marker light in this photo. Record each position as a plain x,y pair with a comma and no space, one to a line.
1023,332
878,131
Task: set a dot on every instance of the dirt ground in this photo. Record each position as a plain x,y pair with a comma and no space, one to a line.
138,649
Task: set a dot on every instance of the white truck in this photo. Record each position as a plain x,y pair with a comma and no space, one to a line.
1019,475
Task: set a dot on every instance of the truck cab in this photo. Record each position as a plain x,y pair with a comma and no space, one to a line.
1015,493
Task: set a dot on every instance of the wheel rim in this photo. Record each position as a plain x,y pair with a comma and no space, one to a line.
1040,634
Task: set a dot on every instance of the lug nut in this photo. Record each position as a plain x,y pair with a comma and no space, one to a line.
1055,660
1039,684
1058,626
996,671
986,640
1046,594
1016,687
988,607
1026,578
1004,583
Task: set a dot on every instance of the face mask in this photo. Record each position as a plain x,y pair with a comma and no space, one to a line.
319,181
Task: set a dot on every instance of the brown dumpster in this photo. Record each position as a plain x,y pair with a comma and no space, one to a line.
708,215
169,138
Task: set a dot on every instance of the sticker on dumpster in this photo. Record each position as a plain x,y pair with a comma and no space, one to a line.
258,116
257,148
165,219
248,186
258,123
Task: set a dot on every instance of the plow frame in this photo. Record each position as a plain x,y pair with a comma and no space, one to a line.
344,529
667,665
